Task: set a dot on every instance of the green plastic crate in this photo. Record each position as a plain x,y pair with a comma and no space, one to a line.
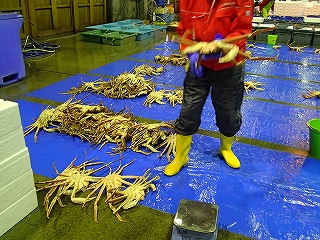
316,36
118,38
284,31
303,35
316,40
94,36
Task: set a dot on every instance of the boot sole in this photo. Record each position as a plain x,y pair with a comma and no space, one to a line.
221,157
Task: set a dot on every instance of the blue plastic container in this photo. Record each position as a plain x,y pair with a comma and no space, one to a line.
135,22
158,30
168,18
12,66
160,2
109,26
142,33
129,23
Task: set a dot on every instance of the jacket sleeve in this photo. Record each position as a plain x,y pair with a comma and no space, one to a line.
242,23
263,3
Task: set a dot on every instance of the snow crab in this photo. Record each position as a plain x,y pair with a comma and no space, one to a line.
130,196
312,94
69,182
297,48
252,85
114,181
155,96
227,46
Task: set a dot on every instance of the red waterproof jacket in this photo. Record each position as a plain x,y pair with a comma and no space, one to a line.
206,18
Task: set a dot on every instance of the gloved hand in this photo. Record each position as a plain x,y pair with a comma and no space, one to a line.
194,56
192,65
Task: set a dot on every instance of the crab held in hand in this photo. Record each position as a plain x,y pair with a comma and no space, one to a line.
215,47
227,46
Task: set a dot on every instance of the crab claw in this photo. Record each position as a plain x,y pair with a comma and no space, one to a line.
195,48
230,50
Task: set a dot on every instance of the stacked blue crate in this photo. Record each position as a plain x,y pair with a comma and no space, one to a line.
125,23
167,17
131,26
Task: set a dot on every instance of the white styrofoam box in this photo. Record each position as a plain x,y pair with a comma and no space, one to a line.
18,211
311,20
7,106
257,19
14,167
9,122
11,143
16,190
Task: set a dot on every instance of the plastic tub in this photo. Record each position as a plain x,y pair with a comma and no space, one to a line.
314,137
272,39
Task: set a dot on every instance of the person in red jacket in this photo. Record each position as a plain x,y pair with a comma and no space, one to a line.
204,21
265,7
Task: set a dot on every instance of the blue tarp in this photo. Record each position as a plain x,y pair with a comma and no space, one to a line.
274,195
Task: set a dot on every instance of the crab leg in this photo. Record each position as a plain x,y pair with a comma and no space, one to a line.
246,36
233,51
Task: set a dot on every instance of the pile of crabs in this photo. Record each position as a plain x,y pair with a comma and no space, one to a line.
99,125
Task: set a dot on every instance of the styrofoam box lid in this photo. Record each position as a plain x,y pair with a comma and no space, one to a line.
306,28
266,25
196,216
8,106
6,16
311,20
258,19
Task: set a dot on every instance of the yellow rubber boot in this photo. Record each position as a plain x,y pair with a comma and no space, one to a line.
183,144
226,152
